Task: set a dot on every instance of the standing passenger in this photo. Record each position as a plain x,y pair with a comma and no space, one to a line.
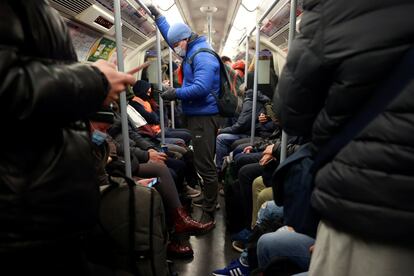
49,194
336,66
201,81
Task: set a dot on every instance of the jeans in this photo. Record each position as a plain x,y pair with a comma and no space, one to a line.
223,143
285,243
269,211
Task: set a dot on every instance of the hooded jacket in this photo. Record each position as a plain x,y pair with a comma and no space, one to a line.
244,121
201,78
344,52
48,184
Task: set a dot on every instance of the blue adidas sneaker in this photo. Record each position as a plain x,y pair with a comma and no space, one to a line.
235,268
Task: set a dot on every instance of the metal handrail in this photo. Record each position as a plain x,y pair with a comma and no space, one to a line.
123,103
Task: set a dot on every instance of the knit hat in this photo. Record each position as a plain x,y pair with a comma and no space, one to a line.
178,32
140,89
104,115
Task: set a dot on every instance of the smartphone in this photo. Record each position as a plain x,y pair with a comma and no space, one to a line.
152,183
148,182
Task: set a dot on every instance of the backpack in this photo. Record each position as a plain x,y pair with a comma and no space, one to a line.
228,103
132,233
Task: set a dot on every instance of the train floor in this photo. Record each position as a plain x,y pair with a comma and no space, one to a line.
211,251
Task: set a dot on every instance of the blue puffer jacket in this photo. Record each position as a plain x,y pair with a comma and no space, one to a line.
200,79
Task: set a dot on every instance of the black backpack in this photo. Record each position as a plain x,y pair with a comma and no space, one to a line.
132,233
228,103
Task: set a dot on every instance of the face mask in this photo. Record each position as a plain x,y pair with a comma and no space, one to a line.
180,51
98,137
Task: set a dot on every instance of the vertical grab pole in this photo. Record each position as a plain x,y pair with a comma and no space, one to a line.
256,70
123,103
209,23
172,85
160,86
292,31
246,65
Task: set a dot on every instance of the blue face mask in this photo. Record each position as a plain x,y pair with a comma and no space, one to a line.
98,137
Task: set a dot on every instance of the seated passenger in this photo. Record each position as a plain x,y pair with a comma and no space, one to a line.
178,215
147,107
242,127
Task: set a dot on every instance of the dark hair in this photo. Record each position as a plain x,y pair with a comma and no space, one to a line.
225,59
104,115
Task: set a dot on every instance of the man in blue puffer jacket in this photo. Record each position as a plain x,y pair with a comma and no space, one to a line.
201,79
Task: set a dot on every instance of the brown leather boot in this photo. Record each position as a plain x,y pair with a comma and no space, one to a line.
178,250
183,223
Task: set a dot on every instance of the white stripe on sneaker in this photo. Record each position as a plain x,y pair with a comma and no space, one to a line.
238,269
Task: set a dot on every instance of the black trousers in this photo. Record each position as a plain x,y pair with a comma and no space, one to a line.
204,130
247,174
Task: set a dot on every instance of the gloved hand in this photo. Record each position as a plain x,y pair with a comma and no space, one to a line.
169,94
154,11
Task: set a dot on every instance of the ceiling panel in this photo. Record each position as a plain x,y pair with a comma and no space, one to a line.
221,19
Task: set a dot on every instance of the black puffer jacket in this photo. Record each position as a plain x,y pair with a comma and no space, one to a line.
345,50
244,121
48,186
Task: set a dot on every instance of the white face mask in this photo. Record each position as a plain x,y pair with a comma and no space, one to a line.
180,51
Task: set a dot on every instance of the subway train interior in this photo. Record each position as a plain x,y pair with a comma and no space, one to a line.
207,137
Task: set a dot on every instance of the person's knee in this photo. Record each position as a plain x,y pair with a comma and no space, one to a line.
264,248
264,195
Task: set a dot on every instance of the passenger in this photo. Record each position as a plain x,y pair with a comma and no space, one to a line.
335,67
226,60
239,67
146,106
241,128
177,215
269,219
286,250
201,81
49,194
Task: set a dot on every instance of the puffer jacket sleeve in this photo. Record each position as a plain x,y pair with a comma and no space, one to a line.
163,26
32,89
39,89
205,67
303,83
